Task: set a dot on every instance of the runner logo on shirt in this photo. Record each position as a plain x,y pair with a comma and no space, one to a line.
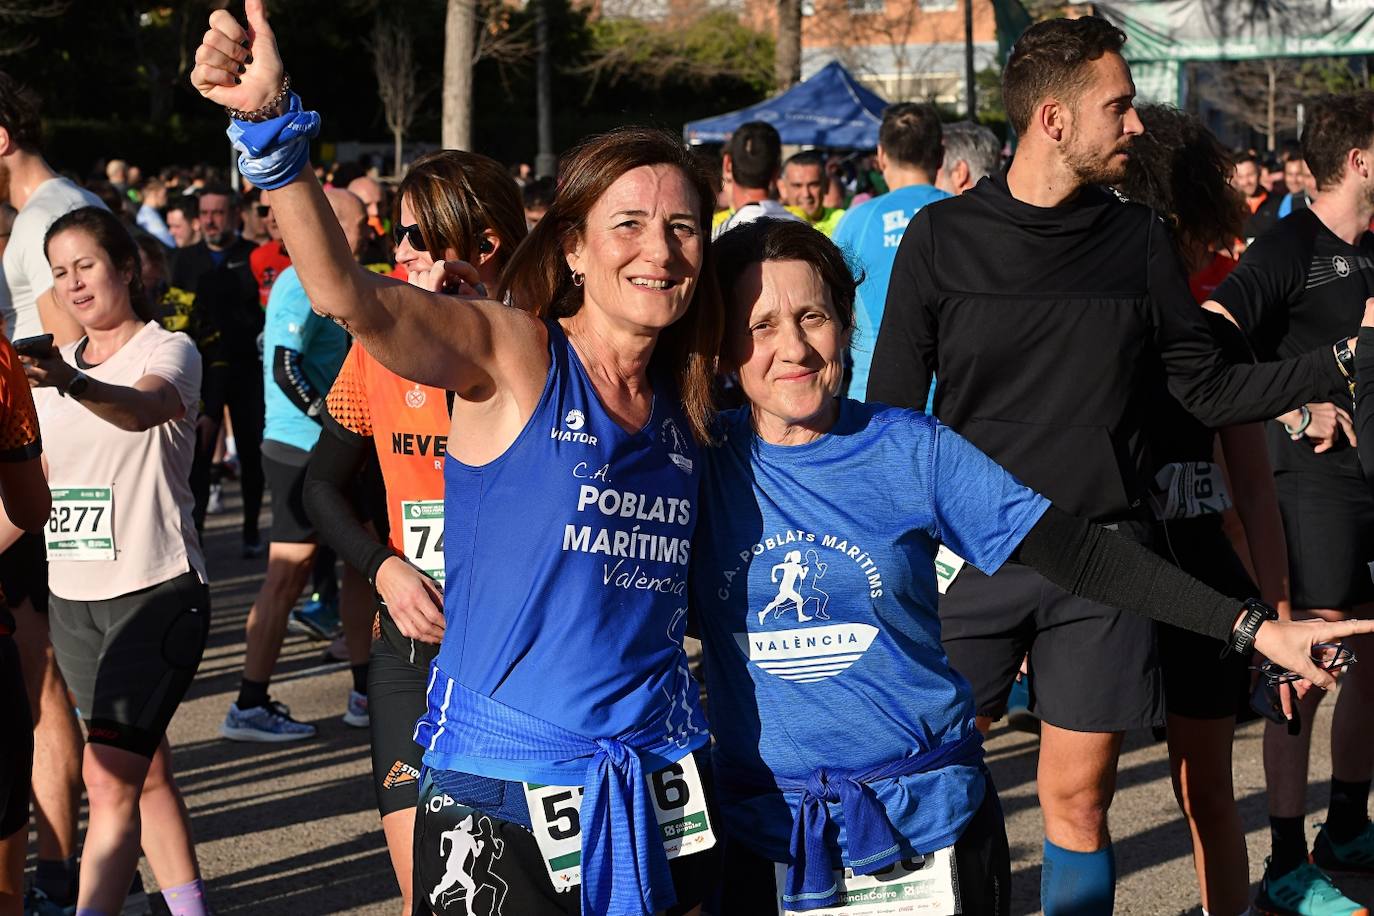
415,398
794,564
1341,265
677,445
475,844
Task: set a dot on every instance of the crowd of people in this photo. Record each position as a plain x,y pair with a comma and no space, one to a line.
887,434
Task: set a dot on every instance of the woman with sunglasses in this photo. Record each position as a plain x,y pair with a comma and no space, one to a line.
453,205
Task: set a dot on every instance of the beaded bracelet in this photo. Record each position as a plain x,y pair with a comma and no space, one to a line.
267,111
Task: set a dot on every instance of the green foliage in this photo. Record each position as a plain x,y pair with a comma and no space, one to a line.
115,76
711,50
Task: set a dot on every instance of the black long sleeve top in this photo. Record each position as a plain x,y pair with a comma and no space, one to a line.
1051,330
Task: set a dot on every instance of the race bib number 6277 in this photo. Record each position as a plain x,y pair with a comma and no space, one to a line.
81,524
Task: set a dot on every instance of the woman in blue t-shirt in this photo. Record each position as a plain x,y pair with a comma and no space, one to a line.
843,737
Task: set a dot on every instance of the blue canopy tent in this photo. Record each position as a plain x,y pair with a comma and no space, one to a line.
830,109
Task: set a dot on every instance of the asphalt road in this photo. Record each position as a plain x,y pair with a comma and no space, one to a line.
292,829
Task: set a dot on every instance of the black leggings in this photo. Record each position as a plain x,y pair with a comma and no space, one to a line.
245,402
16,742
982,861
397,675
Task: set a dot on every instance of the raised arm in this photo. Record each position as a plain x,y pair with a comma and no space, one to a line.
467,345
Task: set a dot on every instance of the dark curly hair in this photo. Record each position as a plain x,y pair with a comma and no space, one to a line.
1182,172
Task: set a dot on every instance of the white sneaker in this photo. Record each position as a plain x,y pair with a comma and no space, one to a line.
215,504
356,715
270,723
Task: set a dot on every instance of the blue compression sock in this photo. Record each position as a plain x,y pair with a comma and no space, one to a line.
1077,883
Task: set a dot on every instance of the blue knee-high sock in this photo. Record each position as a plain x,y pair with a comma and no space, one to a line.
1077,883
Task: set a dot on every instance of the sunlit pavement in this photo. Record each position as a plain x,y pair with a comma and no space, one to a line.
292,829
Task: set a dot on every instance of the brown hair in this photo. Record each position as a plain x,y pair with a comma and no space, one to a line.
19,113
1051,59
1337,124
456,195
911,134
787,240
112,236
538,279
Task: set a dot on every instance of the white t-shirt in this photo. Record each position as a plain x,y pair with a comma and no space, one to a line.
756,210
27,274
147,473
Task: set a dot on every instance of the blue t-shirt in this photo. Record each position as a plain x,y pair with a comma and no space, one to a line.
565,593
322,344
870,234
813,577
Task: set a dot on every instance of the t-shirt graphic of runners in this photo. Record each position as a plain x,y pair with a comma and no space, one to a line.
790,575
460,883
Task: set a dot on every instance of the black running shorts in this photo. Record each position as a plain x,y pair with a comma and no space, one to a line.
508,874
16,742
1198,682
130,660
397,675
24,572
1093,668
286,480
982,861
1329,523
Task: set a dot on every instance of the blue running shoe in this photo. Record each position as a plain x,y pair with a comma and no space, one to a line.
1304,891
318,618
1355,857
357,716
271,723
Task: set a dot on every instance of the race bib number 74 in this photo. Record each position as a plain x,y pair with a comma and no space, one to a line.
679,804
423,537
81,524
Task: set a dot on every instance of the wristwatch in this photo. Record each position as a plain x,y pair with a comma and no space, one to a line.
1345,361
1243,637
77,386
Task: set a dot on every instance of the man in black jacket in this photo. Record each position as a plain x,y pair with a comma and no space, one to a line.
1302,285
1053,312
217,271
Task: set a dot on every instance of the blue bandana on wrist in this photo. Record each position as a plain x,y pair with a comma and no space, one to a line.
274,152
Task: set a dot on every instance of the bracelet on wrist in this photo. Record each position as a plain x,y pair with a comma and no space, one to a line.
266,112
1242,640
1303,423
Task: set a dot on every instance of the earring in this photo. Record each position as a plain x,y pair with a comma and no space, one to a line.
578,279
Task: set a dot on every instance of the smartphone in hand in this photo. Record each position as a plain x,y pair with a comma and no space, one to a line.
37,347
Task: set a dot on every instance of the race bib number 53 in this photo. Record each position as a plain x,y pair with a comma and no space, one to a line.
81,525
679,804
423,537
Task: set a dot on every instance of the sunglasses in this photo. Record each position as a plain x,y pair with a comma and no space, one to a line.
1327,656
401,233
263,210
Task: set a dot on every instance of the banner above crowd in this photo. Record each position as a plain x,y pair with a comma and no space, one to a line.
1162,34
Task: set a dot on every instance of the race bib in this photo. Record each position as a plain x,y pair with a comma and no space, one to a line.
947,566
679,804
1189,489
920,885
81,524
423,537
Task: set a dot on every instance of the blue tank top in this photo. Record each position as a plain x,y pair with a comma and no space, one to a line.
566,574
